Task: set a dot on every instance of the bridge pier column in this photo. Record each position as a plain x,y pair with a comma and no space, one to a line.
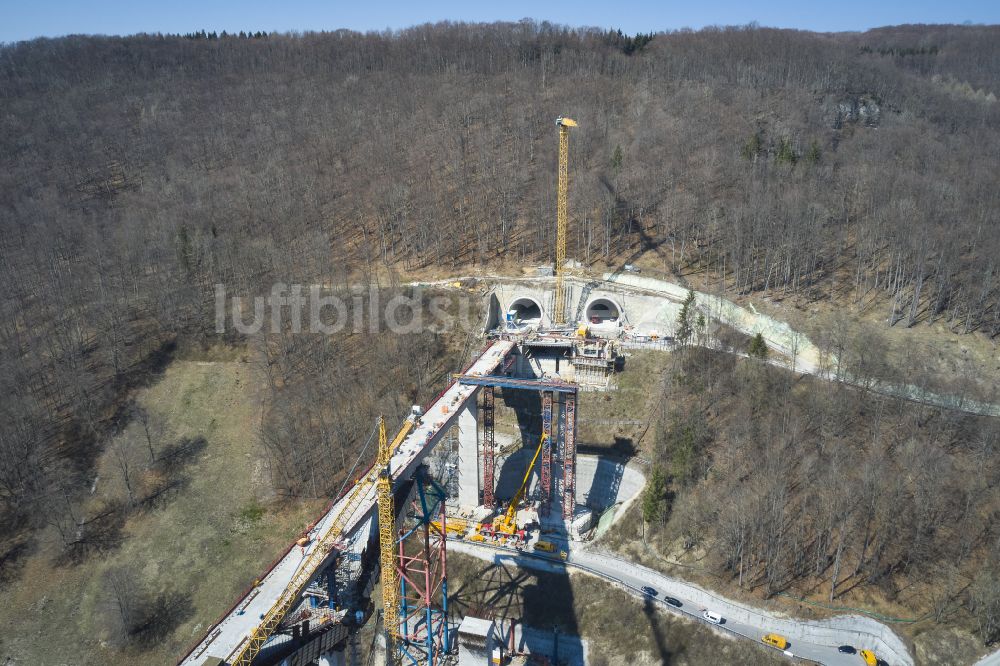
468,454
332,658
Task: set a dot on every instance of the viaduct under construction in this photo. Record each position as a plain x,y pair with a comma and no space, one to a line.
392,524
394,520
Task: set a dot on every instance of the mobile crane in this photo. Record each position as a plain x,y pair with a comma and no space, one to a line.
506,523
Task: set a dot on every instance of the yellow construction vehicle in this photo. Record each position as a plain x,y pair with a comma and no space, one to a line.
562,216
455,528
546,546
506,523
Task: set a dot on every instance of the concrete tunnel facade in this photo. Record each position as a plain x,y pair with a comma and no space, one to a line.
531,300
604,309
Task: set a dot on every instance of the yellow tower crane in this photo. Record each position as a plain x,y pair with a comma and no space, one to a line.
562,216
386,534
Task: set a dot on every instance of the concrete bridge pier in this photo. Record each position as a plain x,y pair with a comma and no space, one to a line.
468,454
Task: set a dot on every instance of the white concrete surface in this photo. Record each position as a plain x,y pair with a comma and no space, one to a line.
468,455
600,482
476,640
992,659
541,642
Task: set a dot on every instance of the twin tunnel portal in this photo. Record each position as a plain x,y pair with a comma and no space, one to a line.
529,310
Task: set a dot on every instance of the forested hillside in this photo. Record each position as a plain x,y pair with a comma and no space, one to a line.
137,173
779,486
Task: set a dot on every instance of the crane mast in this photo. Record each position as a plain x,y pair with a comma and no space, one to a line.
387,534
562,216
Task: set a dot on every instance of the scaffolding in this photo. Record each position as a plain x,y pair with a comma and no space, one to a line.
569,456
424,631
560,451
489,448
545,481
557,470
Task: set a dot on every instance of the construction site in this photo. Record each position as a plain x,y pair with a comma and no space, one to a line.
491,461
491,468
460,335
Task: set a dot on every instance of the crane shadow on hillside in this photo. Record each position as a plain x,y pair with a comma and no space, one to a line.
623,210
661,644
13,554
539,603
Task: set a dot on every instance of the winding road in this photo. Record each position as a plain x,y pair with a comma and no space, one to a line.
811,641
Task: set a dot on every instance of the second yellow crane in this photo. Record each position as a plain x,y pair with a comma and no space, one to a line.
387,534
506,523
562,216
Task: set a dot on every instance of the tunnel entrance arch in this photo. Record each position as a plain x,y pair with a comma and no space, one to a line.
525,310
603,310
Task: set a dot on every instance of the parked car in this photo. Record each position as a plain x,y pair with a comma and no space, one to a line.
648,591
632,269
869,657
776,640
676,603
847,649
712,617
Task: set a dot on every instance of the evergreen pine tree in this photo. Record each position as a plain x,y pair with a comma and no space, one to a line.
684,326
654,496
757,348
814,153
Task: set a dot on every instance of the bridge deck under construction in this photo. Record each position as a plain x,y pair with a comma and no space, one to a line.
229,636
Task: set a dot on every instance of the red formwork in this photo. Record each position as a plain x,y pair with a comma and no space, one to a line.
423,578
489,449
545,482
569,458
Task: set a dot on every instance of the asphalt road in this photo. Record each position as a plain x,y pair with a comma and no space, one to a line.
633,578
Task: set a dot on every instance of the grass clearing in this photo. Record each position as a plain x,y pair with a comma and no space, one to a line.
190,554
617,420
